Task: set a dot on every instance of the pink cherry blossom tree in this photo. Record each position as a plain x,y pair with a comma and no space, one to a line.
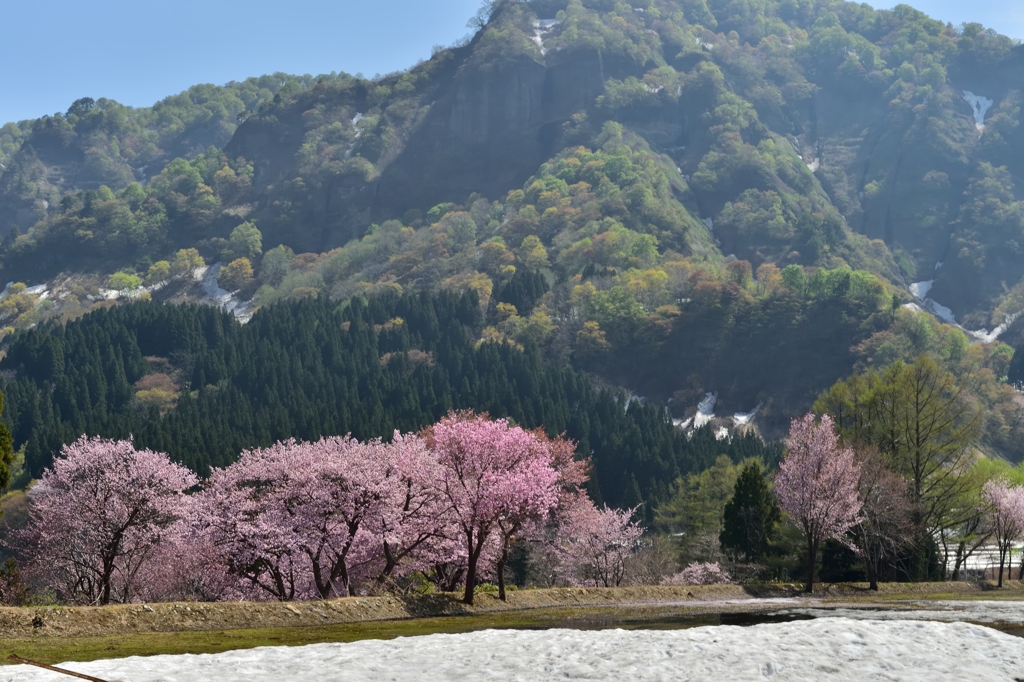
98,514
592,545
700,573
245,517
414,527
816,484
299,512
1006,505
188,565
495,479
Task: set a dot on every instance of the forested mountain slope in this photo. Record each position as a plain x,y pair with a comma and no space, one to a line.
690,196
101,142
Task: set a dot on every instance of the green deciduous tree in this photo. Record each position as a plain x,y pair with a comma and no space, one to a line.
246,241
236,275
924,425
159,271
186,261
123,282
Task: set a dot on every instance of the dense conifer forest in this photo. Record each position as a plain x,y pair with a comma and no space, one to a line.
193,382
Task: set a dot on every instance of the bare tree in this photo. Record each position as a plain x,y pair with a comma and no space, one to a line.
885,525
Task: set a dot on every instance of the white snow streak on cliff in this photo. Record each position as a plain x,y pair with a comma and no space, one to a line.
920,291
980,105
744,418
222,298
359,133
540,29
705,410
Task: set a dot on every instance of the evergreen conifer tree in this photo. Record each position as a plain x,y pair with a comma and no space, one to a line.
751,515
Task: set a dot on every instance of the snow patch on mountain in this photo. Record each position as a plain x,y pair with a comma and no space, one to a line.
744,418
359,133
980,105
541,28
921,289
222,298
924,304
705,410
986,336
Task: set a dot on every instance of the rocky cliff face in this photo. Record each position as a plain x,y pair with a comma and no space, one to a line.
489,132
485,129
522,97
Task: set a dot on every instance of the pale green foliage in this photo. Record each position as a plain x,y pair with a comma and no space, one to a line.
123,282
236,275
159,271
246,241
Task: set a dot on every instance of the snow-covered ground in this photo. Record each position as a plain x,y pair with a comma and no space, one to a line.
985,612
826,648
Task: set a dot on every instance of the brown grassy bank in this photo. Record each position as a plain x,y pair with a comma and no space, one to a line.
64,621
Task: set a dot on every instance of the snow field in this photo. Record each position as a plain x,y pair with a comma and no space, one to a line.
988,611
826,648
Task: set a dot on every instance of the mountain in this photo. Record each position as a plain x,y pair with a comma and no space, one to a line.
682,197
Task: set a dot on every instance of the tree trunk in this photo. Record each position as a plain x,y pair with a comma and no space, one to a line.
501,568
318,579
282,589
870,563
471,562
389,564
501,579
1002,562
960,548
345,580
105,580
812,550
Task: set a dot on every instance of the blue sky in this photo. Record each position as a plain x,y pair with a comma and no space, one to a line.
139,52
1006,16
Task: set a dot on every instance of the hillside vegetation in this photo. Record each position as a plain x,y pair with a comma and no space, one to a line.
679,197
